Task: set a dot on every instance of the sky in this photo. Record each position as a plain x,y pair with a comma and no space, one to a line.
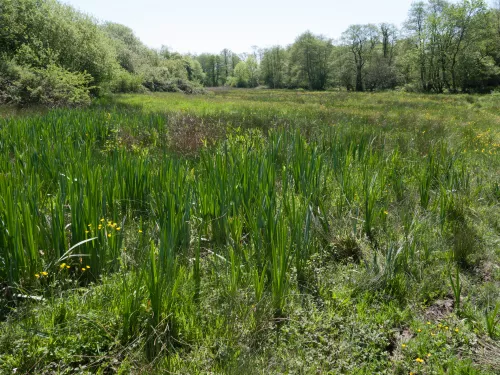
197,26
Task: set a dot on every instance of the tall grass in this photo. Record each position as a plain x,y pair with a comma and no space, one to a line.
252,209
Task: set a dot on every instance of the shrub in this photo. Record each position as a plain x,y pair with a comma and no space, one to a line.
124,82
160,79
54,87
9,74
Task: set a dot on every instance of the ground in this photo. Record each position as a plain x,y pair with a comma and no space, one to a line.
252,232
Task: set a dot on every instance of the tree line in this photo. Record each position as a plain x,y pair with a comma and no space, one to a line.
442,47
52,54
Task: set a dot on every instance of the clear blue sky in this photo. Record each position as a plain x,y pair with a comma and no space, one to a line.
198,26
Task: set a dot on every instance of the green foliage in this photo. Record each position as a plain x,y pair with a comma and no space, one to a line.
53,55
125,82
250,229
241,75
309,61
53,86
492,320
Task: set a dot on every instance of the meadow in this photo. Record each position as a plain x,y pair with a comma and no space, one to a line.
252,232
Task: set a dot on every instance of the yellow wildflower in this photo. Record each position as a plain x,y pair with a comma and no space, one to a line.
140,231
83,269
37,275
419,330
429,354
109,235
63,265
44,273
403,346
88,267
419,360
118,228
456,330
68,267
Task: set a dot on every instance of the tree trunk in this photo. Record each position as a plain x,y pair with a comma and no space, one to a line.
359,79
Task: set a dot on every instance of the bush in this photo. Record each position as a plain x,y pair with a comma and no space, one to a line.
124,82
53,86
9,74
160,79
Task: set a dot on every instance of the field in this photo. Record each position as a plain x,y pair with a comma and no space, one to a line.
252,232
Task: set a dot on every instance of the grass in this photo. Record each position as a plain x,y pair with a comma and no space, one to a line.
252,231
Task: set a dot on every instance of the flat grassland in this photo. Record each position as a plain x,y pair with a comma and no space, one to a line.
252,232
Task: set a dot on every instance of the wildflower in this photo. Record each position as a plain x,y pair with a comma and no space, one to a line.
114,225
44,273
456,330
37,275
99,227
446,327
63,265
87,232
89,225
419,360
419,330
428,323
102,220
109,235
403,346
140,231
83,269
386,212
118,228
88,267
428,355
68,267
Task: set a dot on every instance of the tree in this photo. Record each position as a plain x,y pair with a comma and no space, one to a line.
253,71
416,26
241,74
309,61
42,33
389,35
449,40
273,67
361,41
